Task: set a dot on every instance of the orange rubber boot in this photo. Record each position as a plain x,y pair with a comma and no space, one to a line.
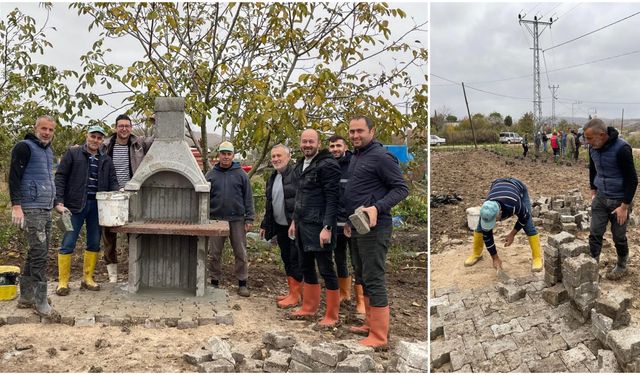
364,328
333,308
310,302
280,298
295,295
379,327
345,288
360,308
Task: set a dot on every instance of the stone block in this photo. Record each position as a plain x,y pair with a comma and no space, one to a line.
187,324
622,321
567,219
500,330
278,340
359,363
520,357
197,356
578,270
446,290
414,353
553,216
613,303
440,351
549,364
277,362
224,317
511,292
575,336
573,249
497,363
437,328
538,221
625,343
550,345
491,348
435,302
585,293
551,280
330,354
220,365
220,349
579,359
246,350
458,329
555,295
553,268
551,253
607,361
85,321
355,347
443,310
295,366
560,238
557,204
570,227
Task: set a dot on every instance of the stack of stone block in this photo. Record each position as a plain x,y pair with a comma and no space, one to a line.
610,312
558,248
580,279
562,213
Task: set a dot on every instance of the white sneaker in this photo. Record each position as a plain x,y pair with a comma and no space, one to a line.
112,269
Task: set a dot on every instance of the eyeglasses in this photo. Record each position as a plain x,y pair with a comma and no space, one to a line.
124,126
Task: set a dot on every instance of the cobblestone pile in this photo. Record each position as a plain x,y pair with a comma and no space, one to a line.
562,213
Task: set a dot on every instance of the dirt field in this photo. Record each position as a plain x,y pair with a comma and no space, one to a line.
469,173
60,348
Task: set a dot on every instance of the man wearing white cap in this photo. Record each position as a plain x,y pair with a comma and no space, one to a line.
507,197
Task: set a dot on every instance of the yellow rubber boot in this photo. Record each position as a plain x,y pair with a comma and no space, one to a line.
536,253
64,274
90,260
478,246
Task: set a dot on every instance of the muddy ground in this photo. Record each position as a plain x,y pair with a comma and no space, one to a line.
469,173
60,348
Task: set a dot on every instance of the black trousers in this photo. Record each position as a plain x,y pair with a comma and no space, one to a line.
324,260
369,252
288,253
340,252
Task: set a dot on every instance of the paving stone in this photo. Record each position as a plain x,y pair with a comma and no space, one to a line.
224,317
613,303
468,313
551,254
278,340
302,352
220,349
245,350
576,336
446,290
550,364
491,348
528,322
625,343
521,356
358,363
578,270
295,366
579,359
187,324
607,361
466,355
574,248
594,345
435,302
414,353
330,354
528,338
466,369
355,347
567,219
581,312
555,295
551,280
511,292
437,328
220,365
548,346
497,363
500,330
443,310
197,356
277,362
458,329
440,350
623,320
584,294
600,325
514,311
523,368
560,238
85,321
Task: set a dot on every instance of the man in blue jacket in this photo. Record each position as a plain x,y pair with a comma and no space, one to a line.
83,171
231,199
376,183
613,180
32,191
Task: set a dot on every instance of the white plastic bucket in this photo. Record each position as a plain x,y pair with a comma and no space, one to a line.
113,208
473,216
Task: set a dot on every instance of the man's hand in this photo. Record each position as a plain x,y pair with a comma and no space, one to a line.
17,216
325,237
621,213
247,226
497,262
292,230
509,240
372,212
593,193
60,208
262,233
347,231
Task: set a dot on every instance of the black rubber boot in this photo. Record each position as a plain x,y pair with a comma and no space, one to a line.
27,290
42,304
619,270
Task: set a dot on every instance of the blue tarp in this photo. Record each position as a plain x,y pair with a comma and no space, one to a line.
401,152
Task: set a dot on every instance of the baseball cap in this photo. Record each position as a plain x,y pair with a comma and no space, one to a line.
226,146
96,129
488,213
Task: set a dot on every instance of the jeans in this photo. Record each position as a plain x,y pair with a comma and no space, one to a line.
601,208
369,252
89,214
38,228
340,252
288,253
238,238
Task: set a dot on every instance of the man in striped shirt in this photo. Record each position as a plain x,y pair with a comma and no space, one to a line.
507,197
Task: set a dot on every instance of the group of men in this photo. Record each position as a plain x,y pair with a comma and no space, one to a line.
612,180
308,205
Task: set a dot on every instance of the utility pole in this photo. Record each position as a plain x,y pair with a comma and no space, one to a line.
473,132
534,30
553,104
622,121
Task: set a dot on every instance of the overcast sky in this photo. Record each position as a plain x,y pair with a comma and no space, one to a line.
71,39
480,42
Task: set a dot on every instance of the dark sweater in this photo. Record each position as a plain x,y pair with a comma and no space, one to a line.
624,163
231,198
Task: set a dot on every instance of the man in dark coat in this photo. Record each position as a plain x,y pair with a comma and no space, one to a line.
280,203
314,227
83,171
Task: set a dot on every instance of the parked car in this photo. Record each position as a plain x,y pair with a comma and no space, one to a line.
434,140
510,137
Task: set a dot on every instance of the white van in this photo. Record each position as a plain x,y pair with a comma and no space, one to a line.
510,137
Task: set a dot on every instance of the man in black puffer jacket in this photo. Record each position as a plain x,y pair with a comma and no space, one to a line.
280,203
314,227
83,171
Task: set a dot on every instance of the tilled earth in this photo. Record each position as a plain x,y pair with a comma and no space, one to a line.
469,173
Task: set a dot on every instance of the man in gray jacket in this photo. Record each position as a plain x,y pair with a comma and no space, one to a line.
231,200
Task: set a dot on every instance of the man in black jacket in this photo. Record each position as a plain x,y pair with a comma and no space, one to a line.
32,192
376,183
314,227
280,203
83,171
231,199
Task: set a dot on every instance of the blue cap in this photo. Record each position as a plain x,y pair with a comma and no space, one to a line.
96,129
488,213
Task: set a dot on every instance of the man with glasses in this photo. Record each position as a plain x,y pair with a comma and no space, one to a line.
127,151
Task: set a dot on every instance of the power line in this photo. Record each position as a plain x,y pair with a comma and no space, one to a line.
591,32
480,90
563,14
